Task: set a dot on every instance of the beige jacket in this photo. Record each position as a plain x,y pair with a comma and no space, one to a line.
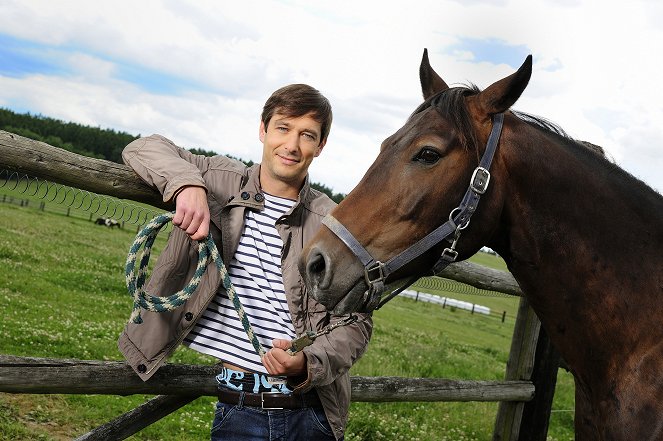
233,188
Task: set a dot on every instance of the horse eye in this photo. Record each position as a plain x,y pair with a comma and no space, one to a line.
427,156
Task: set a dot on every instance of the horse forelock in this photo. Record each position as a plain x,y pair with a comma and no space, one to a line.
450,103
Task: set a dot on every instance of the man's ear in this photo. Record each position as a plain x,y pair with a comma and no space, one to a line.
320,147
262,132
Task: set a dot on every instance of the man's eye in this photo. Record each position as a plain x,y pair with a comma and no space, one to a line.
427,155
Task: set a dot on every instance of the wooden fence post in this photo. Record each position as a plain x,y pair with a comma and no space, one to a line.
519,366
536,413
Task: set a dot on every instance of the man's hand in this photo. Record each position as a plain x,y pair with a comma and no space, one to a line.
192,212
278,362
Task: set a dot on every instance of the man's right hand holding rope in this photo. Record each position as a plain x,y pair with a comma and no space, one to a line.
192,212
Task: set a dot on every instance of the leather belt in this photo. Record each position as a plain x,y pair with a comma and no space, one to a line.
271,400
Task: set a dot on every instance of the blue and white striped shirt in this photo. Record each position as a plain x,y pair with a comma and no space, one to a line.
255,271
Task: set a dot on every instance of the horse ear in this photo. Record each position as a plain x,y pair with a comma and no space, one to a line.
431,83
501,95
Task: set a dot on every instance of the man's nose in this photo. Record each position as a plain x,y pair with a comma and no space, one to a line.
292,142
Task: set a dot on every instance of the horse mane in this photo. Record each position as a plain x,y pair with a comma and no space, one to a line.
589,152
451,104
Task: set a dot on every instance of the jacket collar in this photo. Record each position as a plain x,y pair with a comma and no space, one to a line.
250,194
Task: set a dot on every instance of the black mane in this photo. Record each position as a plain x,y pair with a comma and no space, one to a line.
451,104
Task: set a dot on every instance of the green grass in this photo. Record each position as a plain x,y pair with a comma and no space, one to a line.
62,295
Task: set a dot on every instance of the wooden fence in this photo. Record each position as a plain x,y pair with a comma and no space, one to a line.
525,395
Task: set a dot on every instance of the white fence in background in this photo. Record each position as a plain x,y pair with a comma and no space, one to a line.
445,301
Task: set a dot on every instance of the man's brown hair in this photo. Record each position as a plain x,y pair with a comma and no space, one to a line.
298,100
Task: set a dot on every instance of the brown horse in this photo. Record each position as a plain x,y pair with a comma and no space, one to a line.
583,238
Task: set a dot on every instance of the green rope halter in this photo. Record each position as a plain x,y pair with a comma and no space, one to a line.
206,251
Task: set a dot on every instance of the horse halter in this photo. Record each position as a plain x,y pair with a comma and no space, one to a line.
376,272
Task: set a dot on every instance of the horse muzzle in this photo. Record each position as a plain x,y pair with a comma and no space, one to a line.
341,288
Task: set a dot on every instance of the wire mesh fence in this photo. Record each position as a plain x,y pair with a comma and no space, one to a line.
28,191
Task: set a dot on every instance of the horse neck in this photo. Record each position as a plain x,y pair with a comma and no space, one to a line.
561,198
582,238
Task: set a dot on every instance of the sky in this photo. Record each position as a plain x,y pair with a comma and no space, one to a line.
199,72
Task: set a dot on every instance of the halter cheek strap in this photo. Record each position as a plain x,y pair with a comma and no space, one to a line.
376,272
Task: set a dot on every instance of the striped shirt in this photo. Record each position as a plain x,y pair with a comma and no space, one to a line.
255,271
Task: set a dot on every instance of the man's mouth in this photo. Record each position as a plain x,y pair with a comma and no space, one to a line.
288,161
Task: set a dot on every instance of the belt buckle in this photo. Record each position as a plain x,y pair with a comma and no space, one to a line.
262,401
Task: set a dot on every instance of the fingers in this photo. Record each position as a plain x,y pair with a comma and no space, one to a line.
271,365
278,362
192,212
281,344
195,223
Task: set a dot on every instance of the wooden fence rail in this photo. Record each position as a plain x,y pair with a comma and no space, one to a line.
35,158
63,376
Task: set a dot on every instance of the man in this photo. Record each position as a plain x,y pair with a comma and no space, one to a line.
260,218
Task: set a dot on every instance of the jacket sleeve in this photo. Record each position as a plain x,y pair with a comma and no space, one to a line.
333,354
165,166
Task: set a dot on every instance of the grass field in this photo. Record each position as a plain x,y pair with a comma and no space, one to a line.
62,296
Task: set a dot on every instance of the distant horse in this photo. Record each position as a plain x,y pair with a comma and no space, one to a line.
583,238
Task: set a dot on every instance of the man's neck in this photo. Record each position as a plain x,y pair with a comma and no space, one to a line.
279,188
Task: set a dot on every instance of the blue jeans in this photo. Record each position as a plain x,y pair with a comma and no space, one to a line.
236,422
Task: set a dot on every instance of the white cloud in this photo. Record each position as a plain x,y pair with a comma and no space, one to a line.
595,68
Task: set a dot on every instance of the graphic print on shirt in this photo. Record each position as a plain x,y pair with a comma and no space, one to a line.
255,271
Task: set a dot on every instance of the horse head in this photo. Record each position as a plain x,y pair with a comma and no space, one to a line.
415,185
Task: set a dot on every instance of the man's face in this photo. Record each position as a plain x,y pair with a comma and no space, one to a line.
289,146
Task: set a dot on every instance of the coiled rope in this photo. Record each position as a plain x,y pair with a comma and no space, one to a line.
207,251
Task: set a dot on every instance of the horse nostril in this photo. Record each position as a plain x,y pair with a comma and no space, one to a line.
316,268
316,264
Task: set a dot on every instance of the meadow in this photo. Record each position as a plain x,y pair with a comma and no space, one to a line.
62,295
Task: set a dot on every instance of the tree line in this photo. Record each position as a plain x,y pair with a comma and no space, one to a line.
91,141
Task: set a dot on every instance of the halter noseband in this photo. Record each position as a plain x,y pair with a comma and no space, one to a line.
376,272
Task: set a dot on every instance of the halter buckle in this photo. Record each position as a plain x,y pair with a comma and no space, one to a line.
374,273
480,180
